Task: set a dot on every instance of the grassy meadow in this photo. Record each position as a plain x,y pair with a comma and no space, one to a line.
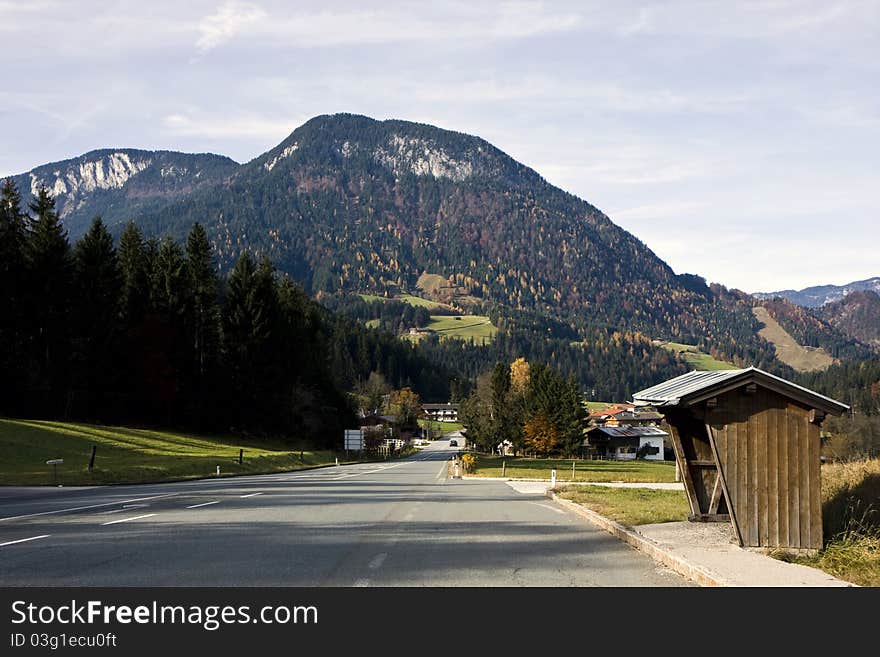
126,455
697,359
520,467
630,506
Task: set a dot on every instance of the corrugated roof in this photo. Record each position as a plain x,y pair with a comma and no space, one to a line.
630,432
671,392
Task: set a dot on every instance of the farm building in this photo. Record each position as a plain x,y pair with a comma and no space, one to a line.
747,445
441,412
624,443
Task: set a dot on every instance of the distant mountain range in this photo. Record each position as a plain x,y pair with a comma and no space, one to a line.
350,204
857,315
819,295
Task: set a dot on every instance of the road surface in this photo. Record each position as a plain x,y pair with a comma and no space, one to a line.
394,523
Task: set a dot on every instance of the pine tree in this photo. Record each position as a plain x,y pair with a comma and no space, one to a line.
249,317
49,267
97,290
135,274
13,301
203,318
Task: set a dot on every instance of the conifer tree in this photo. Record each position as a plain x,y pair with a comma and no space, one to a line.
13,284
203,318
96,319
49,278
135,274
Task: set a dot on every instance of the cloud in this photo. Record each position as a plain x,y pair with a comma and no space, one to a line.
641,24
243,126
328,28
668,210
229,19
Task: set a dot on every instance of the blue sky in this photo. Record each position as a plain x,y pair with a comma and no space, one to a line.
738,140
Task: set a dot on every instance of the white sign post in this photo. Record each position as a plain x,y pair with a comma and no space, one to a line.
354,441
55,463
553,479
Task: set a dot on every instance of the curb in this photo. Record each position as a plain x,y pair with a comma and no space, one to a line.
698,574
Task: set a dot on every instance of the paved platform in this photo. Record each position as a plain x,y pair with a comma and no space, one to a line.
707,553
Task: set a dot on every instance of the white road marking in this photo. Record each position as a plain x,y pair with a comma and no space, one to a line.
250,495
362,583
196,506
377,560
408,516
91,506
134,506
116,522
547,506
25,540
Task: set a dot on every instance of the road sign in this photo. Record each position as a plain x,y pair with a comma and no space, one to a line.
55,462
354,439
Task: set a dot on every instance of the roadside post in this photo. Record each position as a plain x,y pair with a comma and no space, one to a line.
553,479
92,457
218,470
55,463
240,456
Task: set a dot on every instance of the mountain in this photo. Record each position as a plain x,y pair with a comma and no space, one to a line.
857,315
819,295
350,204
119,184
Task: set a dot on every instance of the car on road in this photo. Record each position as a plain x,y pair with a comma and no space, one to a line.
453,443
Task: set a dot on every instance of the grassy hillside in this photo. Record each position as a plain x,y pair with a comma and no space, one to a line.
127,455
697,359
802,359
418,301
603,471
462,327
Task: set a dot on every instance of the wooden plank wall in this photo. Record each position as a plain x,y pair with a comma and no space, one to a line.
769,452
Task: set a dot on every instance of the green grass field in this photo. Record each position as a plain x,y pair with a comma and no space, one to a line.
370,298
465,327
585,470
696,358
597,406
127,455
444,427
630,506
418,301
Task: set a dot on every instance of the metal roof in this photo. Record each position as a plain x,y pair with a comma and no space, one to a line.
674,391
630,432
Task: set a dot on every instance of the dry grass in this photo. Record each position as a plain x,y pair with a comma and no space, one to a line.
851,522
802,359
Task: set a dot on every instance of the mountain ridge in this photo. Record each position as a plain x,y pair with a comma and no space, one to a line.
820,295
346,203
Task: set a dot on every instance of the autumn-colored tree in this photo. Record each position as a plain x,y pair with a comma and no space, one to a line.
519,376
408,408
541,435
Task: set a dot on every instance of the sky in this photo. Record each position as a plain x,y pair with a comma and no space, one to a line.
739,140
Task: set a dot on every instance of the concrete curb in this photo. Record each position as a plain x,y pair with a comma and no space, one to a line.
698,574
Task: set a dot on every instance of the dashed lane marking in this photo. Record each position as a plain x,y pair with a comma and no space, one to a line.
196,506
25,540
116,522
90,506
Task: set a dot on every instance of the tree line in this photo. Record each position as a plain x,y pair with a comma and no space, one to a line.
528,406
147,331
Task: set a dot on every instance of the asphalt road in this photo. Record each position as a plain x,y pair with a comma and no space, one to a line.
395,523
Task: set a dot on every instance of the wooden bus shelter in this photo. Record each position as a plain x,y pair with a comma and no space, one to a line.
747,445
